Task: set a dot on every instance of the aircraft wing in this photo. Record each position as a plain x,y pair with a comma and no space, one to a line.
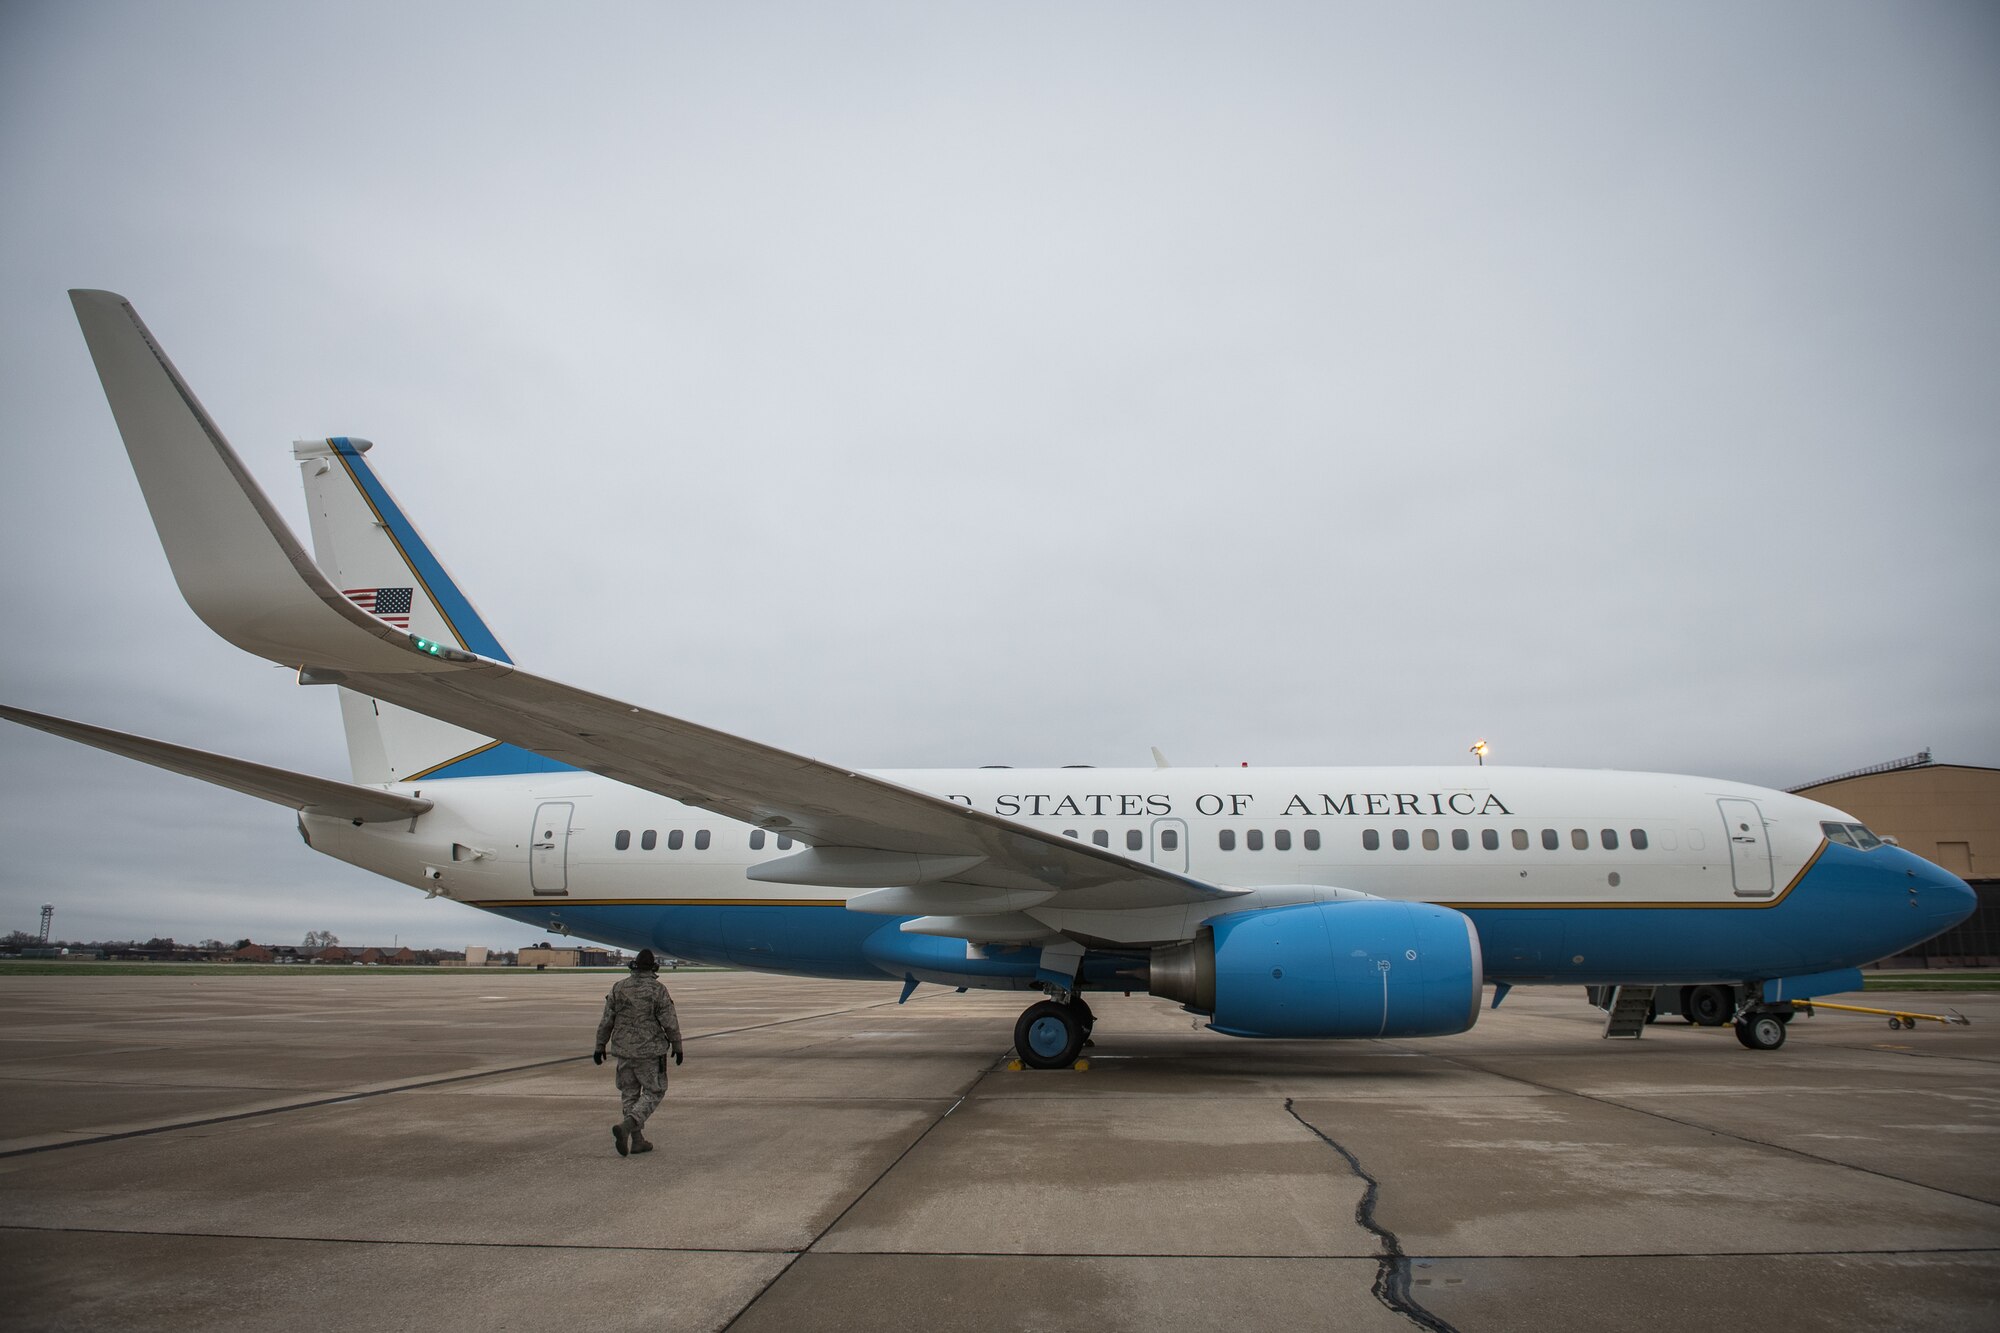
246,575
316,796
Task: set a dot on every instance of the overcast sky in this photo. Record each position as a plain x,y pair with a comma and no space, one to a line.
1031,383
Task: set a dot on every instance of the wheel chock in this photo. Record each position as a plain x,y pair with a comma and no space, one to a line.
1015,1066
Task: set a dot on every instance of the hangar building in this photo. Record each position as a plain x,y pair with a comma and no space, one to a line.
1948,813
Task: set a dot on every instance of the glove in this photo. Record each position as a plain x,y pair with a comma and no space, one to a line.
597,1056
677,1053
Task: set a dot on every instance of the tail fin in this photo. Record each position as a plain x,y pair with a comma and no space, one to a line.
373,553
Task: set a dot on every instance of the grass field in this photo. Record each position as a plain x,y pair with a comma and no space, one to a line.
1959,981
54,967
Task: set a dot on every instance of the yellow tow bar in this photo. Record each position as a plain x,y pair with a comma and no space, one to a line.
1898,1018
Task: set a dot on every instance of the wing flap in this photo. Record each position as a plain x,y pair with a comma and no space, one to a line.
300,791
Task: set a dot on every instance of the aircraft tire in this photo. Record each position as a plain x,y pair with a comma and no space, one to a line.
1048,1035
1085,1017
1761,1032
1707,1006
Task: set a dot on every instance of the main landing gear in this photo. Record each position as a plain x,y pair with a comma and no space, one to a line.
1051,1034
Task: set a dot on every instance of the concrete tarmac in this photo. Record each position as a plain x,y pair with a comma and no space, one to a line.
366,1149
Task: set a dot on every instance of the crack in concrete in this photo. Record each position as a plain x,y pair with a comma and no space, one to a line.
1392,1267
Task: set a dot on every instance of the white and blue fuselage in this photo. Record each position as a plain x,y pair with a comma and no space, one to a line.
1569,876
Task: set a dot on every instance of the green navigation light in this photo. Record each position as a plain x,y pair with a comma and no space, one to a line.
444,651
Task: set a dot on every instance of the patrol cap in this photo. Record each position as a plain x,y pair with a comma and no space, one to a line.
645,962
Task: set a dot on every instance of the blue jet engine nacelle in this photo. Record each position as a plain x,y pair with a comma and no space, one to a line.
1367,968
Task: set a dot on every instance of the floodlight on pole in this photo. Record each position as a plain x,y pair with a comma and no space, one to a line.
1479,748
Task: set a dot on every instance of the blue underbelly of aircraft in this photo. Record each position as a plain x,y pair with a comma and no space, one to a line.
1838,916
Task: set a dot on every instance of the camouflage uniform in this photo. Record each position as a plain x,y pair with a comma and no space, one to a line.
640,1028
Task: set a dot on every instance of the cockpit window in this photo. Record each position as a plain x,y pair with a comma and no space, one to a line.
1850,835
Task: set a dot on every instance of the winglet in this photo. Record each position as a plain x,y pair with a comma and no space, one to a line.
236,562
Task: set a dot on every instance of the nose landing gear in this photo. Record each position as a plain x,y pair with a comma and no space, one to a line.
1761,1031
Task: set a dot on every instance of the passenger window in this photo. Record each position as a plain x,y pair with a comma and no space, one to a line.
1312,839
1100,837
1281,840
1638,840
1254,840
1400,839
1170,840
1489,838
1460,840
784,842
756,840
1520,840
1430,839
1371,840
1549,840
1610,837
1069,833
1134,840
1580,839
623,840
649,840
674,839
701,840
1226,840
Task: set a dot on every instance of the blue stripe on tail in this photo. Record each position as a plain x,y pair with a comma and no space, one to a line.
473,635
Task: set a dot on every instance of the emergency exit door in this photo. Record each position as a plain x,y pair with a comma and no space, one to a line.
548,849
1749,847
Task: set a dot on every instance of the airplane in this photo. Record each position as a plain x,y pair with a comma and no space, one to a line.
1320,903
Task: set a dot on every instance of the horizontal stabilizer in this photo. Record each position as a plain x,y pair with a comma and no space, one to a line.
313,796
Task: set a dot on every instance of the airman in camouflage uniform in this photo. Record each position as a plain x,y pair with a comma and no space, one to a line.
640,1028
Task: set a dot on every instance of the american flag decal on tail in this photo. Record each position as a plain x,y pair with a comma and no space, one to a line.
390,604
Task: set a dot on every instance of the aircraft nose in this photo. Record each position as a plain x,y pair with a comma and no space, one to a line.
1940,895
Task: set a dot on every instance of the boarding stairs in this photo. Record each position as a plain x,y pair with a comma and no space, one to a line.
1628,1010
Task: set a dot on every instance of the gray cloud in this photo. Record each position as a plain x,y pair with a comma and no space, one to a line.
941,385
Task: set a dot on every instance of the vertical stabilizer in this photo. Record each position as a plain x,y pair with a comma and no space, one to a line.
364,543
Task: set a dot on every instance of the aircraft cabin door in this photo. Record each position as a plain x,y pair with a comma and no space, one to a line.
548,849
1749,847
1170,849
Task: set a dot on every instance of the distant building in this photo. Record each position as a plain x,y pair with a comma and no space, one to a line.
547,955
253,953
1947,813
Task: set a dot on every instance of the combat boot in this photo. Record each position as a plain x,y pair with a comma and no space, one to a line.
622,1135
640,1143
